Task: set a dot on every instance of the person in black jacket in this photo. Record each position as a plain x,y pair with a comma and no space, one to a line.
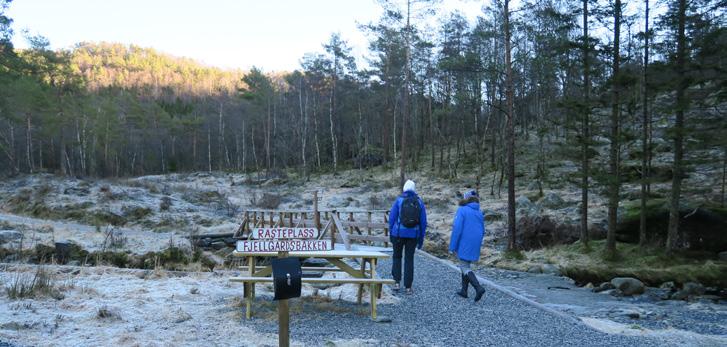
407,226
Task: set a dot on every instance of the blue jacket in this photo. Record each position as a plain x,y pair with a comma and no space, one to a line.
468,230
398,230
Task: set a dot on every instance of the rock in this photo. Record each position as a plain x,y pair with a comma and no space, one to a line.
63,251
79,191
722,256
492,216
550,269
688,290
603,287
523,203
74,263
179,316
614,292
628,285
553,201
533,185
541,231
535,269
668,286
10,236
588,286
633,314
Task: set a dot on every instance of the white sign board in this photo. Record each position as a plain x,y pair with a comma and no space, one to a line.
284,233
284,245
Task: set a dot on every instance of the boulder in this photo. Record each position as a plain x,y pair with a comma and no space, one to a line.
603,287
523,203
553,201
541,231
535,269
668,286
63,251
9,236
722,256
688,290
628,285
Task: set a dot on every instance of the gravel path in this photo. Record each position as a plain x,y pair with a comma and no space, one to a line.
435,316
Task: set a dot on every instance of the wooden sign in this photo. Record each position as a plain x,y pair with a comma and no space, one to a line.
284,233
284,245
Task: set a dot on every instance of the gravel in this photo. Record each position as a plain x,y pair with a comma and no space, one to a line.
434,315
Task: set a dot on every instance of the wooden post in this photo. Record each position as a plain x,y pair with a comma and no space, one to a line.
374,288
283,317
333,229
316,213
369,229
250,288
280,219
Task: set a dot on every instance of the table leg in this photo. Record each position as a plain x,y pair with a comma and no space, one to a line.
373,289
359,296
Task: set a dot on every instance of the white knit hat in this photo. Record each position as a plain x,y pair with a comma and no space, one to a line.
410,186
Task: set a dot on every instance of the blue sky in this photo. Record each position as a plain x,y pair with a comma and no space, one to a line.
272,34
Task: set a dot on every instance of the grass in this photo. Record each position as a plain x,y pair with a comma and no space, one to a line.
650,265
41,284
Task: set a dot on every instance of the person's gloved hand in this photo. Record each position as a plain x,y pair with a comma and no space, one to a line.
420,243
392,238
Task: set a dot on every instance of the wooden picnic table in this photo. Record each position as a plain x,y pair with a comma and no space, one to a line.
335,257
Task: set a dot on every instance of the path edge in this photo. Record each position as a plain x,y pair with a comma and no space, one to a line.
509,292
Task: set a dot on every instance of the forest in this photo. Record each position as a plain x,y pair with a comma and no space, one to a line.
452,98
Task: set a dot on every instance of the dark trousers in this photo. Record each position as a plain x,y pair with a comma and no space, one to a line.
408,246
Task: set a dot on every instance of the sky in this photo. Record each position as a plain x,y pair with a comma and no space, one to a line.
270,34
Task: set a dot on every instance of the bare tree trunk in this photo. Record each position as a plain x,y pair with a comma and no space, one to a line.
614,179
29,142
585,131
315,132
268,131
331,111
224,151
510,135
405,104
682,103
645,133
209,148
304,120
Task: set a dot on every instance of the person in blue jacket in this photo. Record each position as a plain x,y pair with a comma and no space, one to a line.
468,230
407,227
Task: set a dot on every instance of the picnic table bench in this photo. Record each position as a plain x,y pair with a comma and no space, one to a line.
362,276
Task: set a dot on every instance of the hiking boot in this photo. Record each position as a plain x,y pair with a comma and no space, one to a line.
396,287
475,283
409,291
465,285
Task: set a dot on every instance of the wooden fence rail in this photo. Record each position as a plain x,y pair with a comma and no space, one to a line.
366,226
